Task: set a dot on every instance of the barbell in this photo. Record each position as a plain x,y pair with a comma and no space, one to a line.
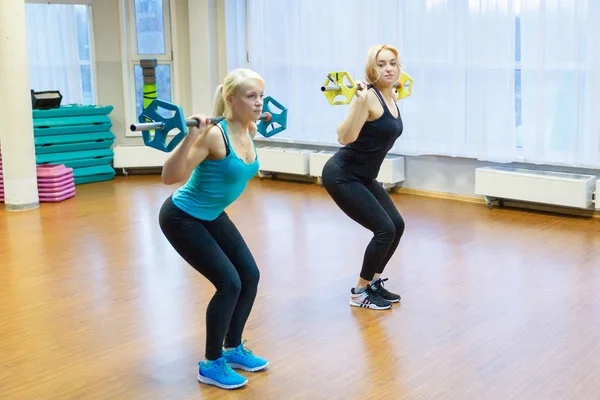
155,127
151,121
337,87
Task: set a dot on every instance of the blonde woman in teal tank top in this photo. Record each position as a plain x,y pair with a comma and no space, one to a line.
219,160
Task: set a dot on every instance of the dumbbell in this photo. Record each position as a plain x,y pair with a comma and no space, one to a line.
150,120
338,88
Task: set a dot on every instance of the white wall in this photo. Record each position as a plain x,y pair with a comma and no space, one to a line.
109,77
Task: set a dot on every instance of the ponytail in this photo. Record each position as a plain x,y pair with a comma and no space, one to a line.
219,103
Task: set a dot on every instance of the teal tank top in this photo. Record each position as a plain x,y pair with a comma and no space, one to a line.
215,184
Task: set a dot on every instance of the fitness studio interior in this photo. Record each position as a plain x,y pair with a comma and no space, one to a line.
300,199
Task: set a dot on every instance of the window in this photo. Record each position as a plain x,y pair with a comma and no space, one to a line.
56,70
86,65
463,97
150,38
518,94
494,80
557,82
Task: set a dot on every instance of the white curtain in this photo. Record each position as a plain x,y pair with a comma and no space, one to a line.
52,45
560,63
235,21
460,53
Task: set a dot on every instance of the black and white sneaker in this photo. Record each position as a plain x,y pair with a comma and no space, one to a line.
368,299
385,294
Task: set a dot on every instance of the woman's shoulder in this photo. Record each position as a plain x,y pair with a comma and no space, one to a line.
373,101
210,138
372,93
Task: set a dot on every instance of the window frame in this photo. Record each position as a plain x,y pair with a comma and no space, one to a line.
92,61
133,54
71,2
131,58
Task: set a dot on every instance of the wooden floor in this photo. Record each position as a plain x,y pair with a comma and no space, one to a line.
500,304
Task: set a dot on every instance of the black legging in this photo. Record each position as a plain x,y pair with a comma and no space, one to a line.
217,250
367,203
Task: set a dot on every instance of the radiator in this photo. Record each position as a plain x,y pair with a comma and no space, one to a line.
138,157
317,162
390,174
544,187
597,195
284,160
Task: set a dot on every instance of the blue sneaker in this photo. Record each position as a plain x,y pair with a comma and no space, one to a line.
242,358
219,373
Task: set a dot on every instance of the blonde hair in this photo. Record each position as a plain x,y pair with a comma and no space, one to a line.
230,86
371,74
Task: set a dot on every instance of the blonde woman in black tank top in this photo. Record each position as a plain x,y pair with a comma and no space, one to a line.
369,131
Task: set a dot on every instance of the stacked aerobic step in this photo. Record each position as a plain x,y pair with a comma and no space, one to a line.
55,183
78,137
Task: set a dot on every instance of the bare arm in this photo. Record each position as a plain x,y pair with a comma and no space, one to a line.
193,149
359,112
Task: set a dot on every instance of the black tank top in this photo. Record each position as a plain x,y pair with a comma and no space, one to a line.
364,156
